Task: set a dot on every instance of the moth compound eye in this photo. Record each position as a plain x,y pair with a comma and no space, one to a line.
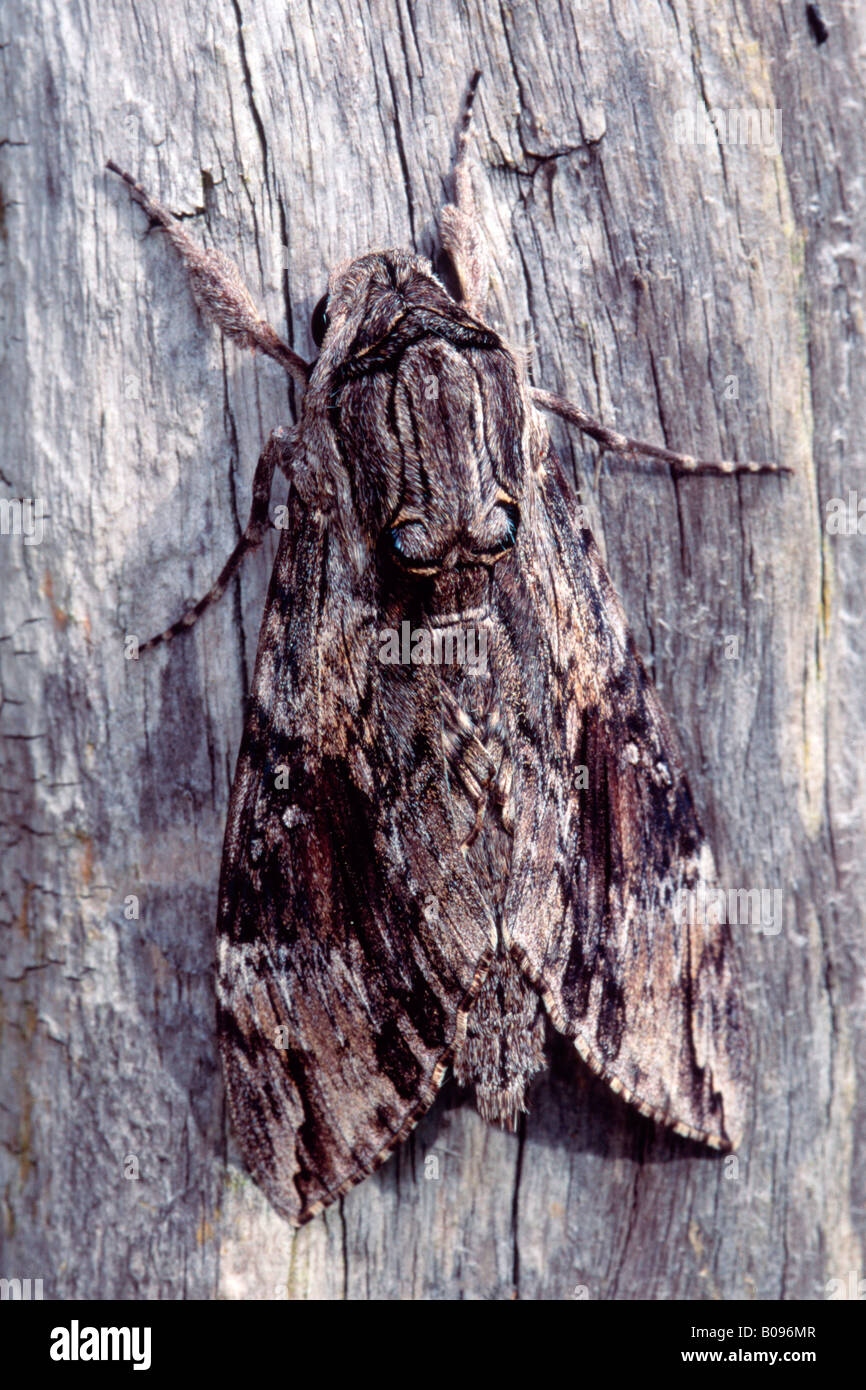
410,546
319,321
511,518
447,273
500,533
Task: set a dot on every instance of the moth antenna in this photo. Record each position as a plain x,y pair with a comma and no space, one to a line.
218,287
633,448
460,227
466,117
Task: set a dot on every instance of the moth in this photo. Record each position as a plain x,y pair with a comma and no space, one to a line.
432,863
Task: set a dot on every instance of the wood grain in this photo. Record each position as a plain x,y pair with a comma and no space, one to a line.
705,296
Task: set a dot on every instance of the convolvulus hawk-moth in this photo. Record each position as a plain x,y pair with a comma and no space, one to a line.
432,862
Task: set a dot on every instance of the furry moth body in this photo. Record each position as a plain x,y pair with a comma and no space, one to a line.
430,864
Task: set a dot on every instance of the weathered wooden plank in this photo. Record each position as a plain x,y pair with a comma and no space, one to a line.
705,295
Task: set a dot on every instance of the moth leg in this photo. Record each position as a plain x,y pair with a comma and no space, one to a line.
273,455
633,448
460,227
218,287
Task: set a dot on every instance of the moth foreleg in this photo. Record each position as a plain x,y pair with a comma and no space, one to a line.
460,226
273,455
218,287
633,448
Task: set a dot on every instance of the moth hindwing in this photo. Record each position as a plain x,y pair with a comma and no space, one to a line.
459,817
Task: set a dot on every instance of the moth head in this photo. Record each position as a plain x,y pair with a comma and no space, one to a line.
425,412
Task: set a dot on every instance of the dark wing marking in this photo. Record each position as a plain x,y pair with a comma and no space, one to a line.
352,937
653,1004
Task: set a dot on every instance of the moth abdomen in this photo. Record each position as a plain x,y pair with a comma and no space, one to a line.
504,1047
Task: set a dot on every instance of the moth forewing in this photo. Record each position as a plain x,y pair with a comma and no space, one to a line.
652,1001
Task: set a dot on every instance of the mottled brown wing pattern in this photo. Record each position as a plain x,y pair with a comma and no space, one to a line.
416,857
352,935
606,837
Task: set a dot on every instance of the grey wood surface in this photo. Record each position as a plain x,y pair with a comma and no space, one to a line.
706,295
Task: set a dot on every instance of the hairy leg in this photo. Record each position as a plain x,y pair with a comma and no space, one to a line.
632,448
459,224
276,454
218,287
223,298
